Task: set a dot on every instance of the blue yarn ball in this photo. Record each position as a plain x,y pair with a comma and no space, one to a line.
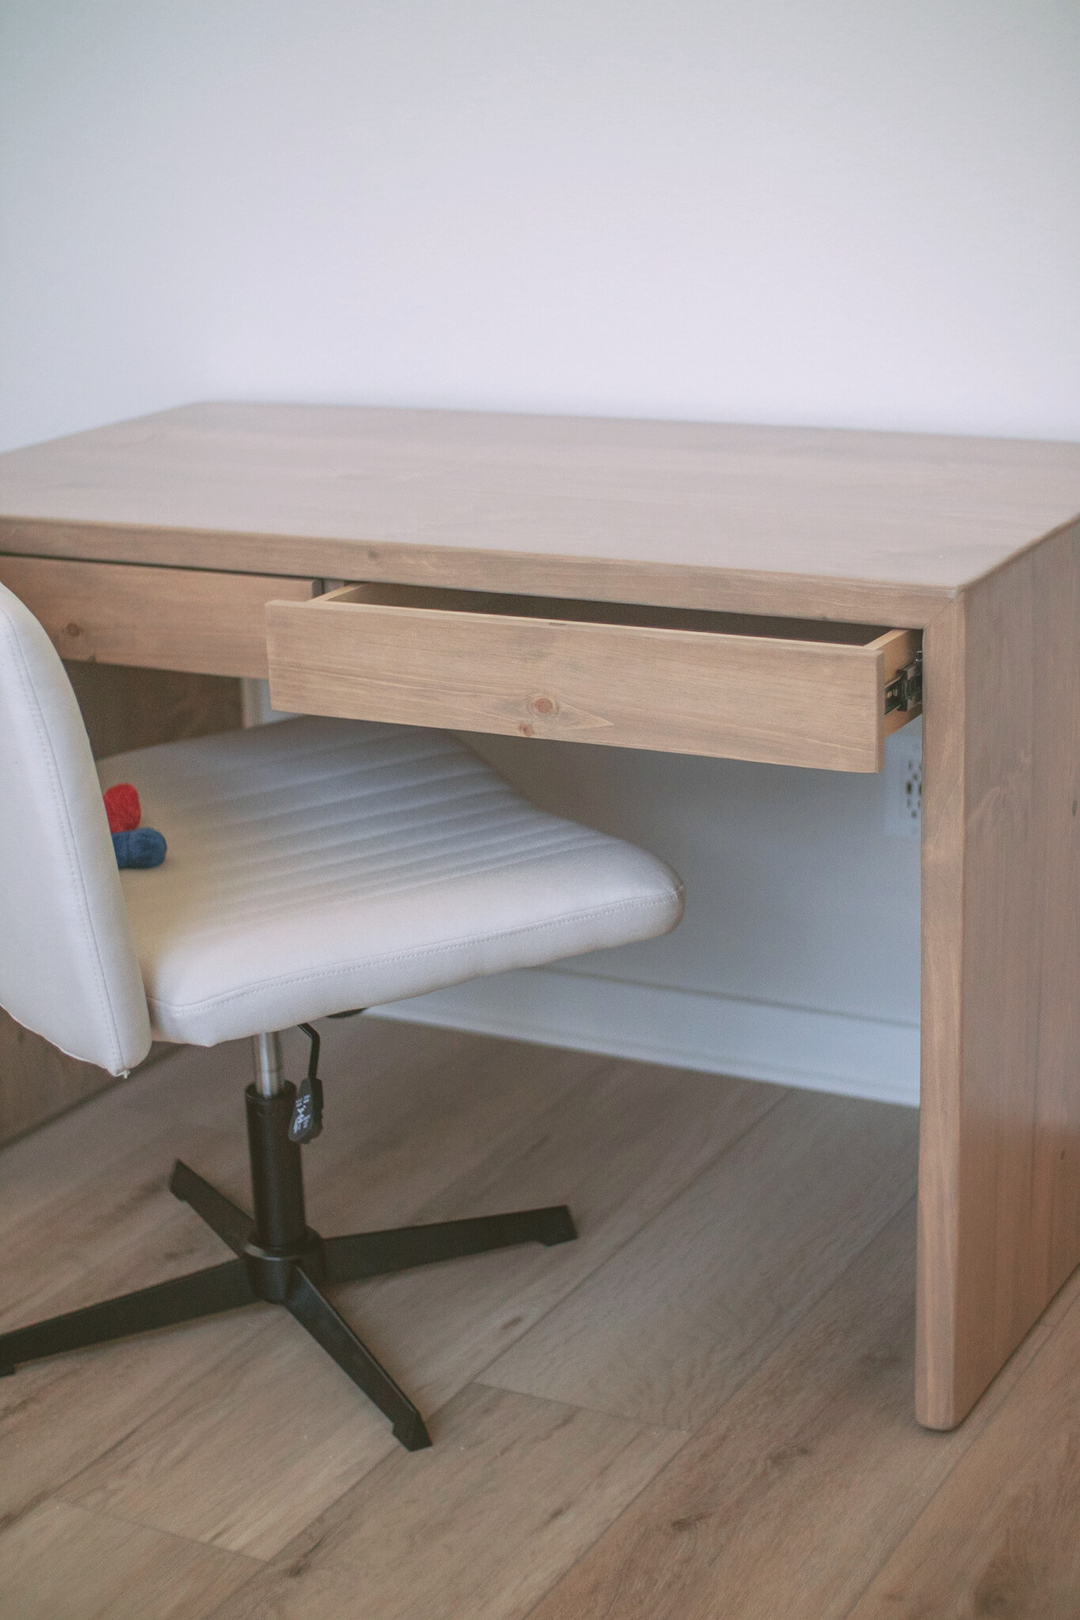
143,847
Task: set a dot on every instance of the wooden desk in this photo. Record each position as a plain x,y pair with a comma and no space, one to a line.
216,510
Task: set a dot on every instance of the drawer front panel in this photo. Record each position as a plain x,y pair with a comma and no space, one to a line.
156,618
790,702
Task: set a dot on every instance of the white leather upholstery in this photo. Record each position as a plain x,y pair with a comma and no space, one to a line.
316,865
68,968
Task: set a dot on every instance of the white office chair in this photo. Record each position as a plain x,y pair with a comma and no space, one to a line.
315,866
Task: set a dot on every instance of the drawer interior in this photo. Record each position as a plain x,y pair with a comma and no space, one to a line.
632,614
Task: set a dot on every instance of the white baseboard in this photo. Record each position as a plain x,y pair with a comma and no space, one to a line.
794,1046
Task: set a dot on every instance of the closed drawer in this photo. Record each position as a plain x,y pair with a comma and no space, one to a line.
786,691
157,618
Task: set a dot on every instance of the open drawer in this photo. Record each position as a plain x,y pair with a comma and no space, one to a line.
786,691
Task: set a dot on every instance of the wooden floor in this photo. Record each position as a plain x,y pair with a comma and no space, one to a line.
700,1411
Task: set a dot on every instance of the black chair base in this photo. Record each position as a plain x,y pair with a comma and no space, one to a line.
279,1259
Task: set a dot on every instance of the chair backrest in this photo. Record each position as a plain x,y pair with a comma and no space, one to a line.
68,968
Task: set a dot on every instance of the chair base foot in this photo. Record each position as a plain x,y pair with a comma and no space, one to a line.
291,1275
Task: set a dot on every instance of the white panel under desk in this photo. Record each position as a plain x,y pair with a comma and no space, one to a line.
798,960
793,1046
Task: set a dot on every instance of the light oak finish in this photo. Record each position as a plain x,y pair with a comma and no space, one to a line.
126,707
1000,1156
1002,1537
797,1491
403,1543
788,692
62,1563
207,1467
204,1465
874,528
807,1492
37,1081
156,618
967,540
674,1323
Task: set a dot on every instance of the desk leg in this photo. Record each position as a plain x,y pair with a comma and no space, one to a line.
999,1178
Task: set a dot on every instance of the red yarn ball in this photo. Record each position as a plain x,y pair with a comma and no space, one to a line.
122,807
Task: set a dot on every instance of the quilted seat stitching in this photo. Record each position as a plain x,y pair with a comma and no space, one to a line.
417,953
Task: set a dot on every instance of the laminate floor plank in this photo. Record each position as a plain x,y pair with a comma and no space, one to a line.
245,1456
62,1563
120,1229
60,1156
513,1492
1002,1535
407,1108
378,1074
668,1329
38,1081
745,1265
57,1417
620,1146
85,1213
114,1232
408,1116
618,1153
790,1499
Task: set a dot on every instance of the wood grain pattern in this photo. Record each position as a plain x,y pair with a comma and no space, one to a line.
85,1213
120,1229
62,1563
973,538
615,1152
799,1488
37,1081
871,527
1000,1154
49,1164
124,707
57,1417
208,1465
786,695
1002,1536
403,1544
720,589
808,1485
156,618
670,1327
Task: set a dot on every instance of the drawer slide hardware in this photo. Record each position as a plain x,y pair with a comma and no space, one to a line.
904,691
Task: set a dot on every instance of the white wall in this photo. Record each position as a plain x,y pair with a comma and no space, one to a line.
844,212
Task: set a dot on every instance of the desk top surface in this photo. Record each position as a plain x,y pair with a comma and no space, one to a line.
873,526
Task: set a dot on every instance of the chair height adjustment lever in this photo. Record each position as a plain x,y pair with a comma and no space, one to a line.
306,1121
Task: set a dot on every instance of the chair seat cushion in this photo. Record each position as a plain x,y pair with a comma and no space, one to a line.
316,865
